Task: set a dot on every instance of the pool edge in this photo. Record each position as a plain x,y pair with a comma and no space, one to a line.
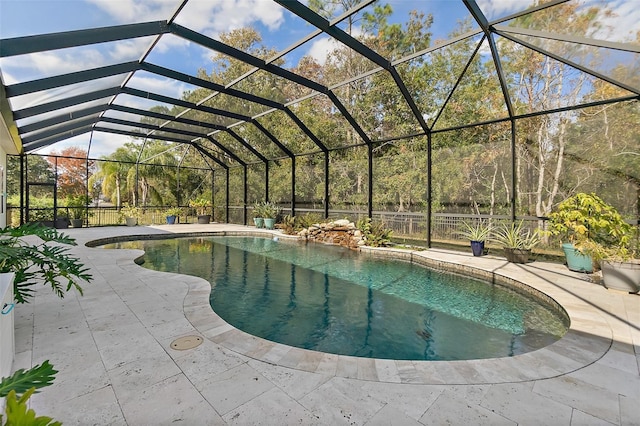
586,341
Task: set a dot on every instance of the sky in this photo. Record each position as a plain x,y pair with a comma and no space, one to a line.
279,28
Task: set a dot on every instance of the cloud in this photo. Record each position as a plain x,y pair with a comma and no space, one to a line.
160,85
128,50
7,77
321,48
129,11
102,144
37,65
207,16
57,62
497,8
620,21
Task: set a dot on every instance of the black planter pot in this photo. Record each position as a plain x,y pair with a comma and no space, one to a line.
477,248
204,218
62,223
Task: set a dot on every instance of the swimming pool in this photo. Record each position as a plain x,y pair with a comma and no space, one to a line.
335,300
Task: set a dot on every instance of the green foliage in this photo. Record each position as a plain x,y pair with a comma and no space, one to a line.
173,211
375,234
615,253
586,217
77,206
112,176
267,210
25,383
595,228
471,168
40,208
515,236
308,219
257,210
200,204
35,262
19,413
35,378
130,211
288,224
294,224
478,231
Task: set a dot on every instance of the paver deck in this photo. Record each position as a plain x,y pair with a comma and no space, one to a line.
112,348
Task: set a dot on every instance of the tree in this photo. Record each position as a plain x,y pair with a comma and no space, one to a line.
541,82
71,170
113,171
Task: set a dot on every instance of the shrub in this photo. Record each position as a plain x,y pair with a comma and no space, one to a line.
200,204
130,211
375,234
586,217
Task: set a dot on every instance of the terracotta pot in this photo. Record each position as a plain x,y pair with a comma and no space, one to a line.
517,255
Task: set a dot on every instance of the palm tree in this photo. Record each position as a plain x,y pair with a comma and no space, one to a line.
115,169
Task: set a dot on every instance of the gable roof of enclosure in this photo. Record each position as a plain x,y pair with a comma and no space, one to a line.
118,99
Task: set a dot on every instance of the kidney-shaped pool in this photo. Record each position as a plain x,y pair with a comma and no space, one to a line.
335,300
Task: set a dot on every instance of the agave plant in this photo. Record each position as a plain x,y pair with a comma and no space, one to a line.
515,236
479,231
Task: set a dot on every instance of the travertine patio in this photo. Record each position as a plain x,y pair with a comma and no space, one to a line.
116,366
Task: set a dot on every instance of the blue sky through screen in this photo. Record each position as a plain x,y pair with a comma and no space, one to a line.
278,27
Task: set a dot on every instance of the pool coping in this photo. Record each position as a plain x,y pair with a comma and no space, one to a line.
588,338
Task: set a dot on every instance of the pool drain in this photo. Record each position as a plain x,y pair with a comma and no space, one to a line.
186,342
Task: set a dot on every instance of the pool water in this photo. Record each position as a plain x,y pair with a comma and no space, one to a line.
336,300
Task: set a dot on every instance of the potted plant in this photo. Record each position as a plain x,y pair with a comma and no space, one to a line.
77,218
477,233
581,219
516,241
258,216
41,261
62,220
619,259
131,214
201,205
269,212
620,265
77,206
32,254
172,214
